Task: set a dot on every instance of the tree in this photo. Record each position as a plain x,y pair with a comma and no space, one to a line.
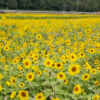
12,4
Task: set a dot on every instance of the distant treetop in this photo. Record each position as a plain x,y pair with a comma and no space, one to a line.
58,5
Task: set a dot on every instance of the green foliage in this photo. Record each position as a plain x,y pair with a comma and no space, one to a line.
12,4
61,5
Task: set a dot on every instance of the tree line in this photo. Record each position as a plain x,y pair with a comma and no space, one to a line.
58,5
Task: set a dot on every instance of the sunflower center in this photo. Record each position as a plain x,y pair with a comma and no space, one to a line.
85,76
48,63
74,69
76,89
91,50
72,57
30,76
58,65
61,75
26,63
14,80
23,94
81,54
39,97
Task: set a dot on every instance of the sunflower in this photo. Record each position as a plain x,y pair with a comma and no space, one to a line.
97,83
63,58
73,57
67,42
85,77
74,69
6,47
65,81
98,68
88,66
20,68
13,80
1,76
40,96
96,61
77,89
1,88
80,34
16,60
23,95
38,36
81,55
1,44
13,94
59,66
21,84
93,71
48,62
55,99
35,68
8,83
27,63
30,76
91,50
54,65
61,76
96,97
39,73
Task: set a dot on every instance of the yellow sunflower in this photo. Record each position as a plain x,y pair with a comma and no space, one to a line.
73,57
1,88
91,50
40,96
8,83
67,42
1,76
77,89
48,62
55,99
59,66
27,63
13,80
74,69
93,71
20,68
13,94
88,66
21,84
6,47
61,76
85,77
38,36
30,76
96,97
23,95
97,83
81,55
65,82
98,68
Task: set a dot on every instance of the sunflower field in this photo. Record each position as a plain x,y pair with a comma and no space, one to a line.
49,56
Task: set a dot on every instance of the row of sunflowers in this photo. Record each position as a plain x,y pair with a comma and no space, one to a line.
49,59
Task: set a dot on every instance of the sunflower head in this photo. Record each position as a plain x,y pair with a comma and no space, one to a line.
96,97
85,77
61,76
27,63
30,76
23,95
77,89
40,96
74,69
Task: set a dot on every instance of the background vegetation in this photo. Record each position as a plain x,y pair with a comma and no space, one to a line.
59,5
